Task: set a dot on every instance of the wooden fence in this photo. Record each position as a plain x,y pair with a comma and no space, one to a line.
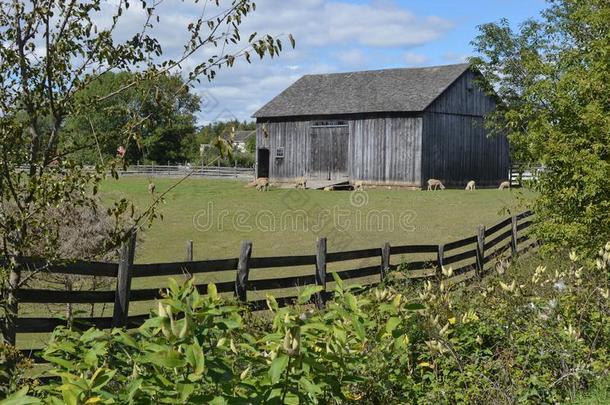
520,174
244,173
228,172
475,255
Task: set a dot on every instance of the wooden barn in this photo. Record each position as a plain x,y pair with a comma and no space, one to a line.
391,127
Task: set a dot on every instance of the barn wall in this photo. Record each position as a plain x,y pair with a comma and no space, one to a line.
294,137
381,149
386,150
463,97
456,148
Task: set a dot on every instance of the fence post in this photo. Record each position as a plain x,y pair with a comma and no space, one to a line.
440,259
189,256
385,260
243,271
123,282
321,272
513,242
189,250
480,250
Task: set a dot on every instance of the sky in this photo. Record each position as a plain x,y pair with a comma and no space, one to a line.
339,36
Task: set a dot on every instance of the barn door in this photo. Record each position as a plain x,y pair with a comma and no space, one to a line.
328,152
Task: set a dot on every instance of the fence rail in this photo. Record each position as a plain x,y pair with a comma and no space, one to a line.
519,174
242,173
469,255
246,173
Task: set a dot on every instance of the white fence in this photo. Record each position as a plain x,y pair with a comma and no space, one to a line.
240,173
243,173
520,174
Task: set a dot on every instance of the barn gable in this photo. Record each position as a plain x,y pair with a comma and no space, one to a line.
455,143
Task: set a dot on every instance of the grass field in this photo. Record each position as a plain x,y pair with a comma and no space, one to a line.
218,214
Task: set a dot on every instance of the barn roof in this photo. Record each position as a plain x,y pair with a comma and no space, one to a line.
388,90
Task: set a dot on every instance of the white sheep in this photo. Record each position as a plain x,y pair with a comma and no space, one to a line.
301,183
262,184
471,186
504,184
434,184
359,185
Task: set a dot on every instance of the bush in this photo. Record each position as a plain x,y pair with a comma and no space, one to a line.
529,333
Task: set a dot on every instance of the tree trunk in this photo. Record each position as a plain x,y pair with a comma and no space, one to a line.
12,306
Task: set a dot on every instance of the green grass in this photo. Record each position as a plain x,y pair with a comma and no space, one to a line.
427,217
599,394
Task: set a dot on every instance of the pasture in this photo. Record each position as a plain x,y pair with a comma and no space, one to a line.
218,214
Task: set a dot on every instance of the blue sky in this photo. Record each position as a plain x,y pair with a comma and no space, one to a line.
339,36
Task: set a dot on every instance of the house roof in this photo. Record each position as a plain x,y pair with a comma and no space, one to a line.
239,136
388,90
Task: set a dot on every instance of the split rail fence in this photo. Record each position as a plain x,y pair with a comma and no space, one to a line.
475,256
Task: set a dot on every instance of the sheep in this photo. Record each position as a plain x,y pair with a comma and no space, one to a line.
359,185
151,188
301,183
329,188
434,184
471,186
262,184
504,184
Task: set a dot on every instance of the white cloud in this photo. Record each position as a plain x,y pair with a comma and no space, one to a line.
319,23
331,35
351,57
453,57
415,59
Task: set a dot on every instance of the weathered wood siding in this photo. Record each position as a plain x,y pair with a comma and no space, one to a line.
386,150
456,147
293,136
379,150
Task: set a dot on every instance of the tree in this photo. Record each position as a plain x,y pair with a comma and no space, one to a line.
165,106
51,51
553,76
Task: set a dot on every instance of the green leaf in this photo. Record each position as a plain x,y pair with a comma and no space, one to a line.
212,291
20,398
185,391
218,401
92,334
68,365
352,302
195,357
309,387
278,365
392,323
167,359
100,378
272,303
305,295
339,283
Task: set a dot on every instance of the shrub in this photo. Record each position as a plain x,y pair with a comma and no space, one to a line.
528,333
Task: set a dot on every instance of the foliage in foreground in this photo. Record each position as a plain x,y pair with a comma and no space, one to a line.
552,75
524,334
